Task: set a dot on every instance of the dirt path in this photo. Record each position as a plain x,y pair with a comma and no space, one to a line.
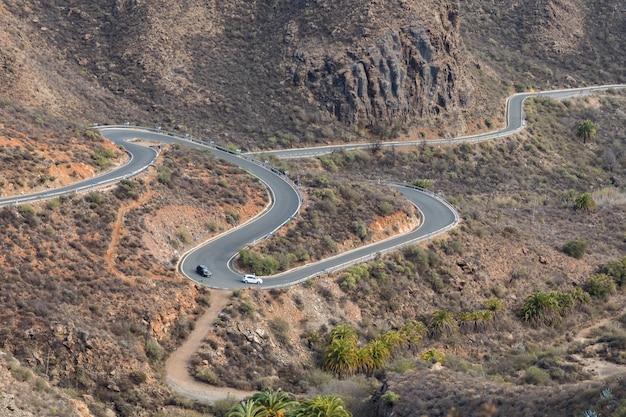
176,366
602,368
119,223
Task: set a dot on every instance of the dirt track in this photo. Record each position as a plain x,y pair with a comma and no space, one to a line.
176,366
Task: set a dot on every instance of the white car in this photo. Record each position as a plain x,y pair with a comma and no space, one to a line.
251,279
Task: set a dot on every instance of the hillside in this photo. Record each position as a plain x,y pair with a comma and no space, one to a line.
91,300
303,72
509,246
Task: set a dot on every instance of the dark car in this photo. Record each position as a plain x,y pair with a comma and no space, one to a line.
203,270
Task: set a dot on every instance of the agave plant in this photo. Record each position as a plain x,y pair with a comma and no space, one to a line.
591,413
606,394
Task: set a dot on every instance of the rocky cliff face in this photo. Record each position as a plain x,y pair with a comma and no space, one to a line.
241,68
386,74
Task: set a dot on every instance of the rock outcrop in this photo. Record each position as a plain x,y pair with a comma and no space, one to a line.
400,74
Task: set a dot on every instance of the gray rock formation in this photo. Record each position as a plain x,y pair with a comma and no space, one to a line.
402,74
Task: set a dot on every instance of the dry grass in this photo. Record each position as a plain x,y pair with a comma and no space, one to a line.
609,196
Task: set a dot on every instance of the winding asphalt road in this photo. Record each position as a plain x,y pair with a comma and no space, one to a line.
217,254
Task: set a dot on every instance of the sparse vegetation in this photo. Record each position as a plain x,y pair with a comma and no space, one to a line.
575,248
585,130
350,209
600,285
514,198
549,308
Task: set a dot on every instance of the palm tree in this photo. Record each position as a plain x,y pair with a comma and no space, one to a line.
274,403
494,305
442,322
374,355
433,355
541,307
341,357
393,339
414,331
343,332
364,358
483,318
467,321
585,129
326,406
246,409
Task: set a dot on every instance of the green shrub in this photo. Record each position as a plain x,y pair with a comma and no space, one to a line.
401,365
19,373
53,204
359,228
92,134
212,226
221,408
127,189
164,175
260,265
585,202
207,375
95,198
154,352
575,248
426,184
26,209
318,378
390,397
385,208
246,307
102,157
419,257
184,236
600,285
536,376
616,269
137,377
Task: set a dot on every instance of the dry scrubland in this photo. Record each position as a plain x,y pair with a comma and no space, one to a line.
95,319
90,300
509,245
517,198
75,298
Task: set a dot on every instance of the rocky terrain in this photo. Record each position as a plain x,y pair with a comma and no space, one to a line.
303,72
91,299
